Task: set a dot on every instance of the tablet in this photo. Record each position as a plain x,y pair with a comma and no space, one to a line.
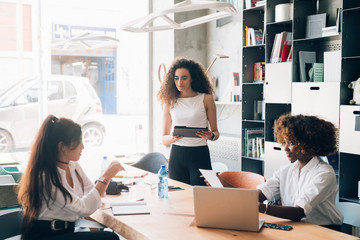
187,131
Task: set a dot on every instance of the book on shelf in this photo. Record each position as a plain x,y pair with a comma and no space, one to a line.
236,87
253,36
329,31
254,3
289,58
258,109
285,52
251,144
259,72
314,25
260,3
306,60
281,47
317,73
338,19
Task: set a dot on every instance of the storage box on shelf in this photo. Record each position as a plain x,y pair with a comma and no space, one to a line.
319,99
277,87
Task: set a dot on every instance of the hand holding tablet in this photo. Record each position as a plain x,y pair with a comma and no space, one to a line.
188,131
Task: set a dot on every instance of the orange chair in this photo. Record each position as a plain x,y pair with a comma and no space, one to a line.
240,179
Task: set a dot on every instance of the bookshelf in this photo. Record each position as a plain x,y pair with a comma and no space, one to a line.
284,91
252,91
349,168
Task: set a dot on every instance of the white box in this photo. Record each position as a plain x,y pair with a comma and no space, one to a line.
278,79
275,157
349,137
318,99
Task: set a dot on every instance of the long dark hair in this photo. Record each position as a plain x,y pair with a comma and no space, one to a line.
168,92
41,174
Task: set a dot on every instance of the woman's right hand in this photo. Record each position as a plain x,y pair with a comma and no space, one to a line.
112,170
175,138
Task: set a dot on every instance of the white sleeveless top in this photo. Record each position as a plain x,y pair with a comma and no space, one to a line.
190,112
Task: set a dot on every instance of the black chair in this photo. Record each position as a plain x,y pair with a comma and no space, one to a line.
10,224
151,162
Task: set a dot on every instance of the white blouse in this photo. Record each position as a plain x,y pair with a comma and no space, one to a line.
314,189
190,112
83,203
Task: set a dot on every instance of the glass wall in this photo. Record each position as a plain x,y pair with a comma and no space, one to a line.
48,66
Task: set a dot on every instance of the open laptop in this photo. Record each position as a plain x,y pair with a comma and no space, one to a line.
227,208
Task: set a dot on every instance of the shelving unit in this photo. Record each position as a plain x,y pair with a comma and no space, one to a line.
349,170
251,92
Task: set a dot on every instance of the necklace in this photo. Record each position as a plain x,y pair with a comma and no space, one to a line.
62,162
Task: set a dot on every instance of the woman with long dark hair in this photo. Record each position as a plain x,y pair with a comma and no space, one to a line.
54,190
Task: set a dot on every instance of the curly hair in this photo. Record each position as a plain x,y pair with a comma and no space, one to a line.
310,134
168,92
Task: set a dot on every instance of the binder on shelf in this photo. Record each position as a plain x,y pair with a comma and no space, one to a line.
306,60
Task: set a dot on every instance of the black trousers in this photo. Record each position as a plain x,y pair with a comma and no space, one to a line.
37,231
185,162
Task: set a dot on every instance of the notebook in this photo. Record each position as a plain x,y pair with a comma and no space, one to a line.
227,208
129,208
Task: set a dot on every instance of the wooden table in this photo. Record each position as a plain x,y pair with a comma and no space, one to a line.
173,219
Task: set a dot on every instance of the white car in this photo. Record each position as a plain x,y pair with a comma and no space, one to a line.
68,96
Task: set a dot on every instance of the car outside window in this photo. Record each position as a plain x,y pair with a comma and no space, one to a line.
69,90
55,91
30,95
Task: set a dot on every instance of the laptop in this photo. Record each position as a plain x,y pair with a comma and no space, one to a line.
227,208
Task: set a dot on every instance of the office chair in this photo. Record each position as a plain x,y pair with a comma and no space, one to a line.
151,162
241,179
11,224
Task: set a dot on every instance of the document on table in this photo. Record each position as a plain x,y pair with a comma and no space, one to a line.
129,208
211,177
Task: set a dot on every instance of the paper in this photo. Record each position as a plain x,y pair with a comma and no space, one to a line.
129,208
211,177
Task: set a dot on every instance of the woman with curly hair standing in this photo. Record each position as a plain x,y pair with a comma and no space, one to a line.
188,97
307,186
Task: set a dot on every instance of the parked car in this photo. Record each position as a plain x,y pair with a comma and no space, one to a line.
67,96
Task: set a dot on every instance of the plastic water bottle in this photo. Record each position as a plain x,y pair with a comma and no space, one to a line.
163,182
104,164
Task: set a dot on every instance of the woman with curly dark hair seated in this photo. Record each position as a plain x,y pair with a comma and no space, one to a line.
307,186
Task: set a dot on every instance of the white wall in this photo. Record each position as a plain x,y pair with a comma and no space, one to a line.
225,40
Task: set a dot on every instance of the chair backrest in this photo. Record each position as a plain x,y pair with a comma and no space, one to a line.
10,224
241,179
151,162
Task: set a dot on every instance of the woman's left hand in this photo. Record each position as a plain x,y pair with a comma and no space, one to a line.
205,134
